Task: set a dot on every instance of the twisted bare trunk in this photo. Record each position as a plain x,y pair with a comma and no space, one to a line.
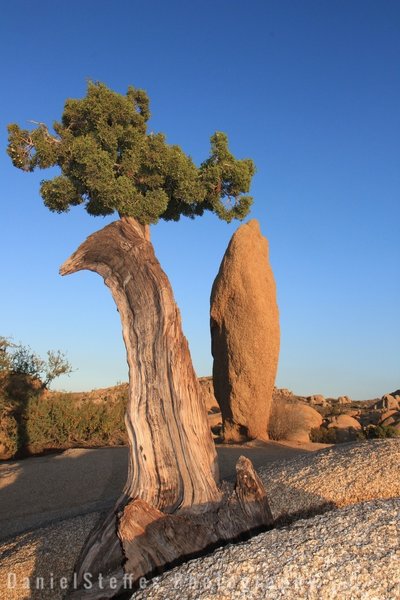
172,505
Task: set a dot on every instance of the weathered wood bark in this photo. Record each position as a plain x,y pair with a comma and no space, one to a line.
152,540
173,464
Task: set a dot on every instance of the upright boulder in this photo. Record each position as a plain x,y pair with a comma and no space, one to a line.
207,394
245,335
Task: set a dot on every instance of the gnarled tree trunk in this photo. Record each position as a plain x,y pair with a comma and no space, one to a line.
172,505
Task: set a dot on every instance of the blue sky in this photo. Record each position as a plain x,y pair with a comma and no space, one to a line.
309,89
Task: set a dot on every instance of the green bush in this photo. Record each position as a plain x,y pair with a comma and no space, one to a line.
61,422
323,435
36,421
324,411
335,410
285,418
8,430
373,432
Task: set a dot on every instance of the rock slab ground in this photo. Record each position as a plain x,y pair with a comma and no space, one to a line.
348,553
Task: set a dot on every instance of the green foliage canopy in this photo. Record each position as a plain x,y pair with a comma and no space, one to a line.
109,162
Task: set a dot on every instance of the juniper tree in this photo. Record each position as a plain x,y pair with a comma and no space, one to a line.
110,163
172,504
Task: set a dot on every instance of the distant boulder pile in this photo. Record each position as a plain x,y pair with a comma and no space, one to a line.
344,420
303,419
317,400
389,402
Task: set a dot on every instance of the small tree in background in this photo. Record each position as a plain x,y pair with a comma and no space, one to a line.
55,366
23,377
110,163
5,344
22,360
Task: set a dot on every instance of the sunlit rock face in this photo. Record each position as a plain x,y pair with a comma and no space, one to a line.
245,335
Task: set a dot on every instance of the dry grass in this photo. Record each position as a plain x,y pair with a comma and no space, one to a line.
286,418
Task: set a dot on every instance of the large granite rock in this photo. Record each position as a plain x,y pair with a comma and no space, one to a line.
304,419
390,418
207,393
317,400
388,402
283,395
346,427
245,335
344,422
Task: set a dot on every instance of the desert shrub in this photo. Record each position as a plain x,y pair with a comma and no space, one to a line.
8,430
324,411
285,418
60,422
113,426
14,390
33,420
40,421
335,410
323,435
5,345
48,423
380,431
18,387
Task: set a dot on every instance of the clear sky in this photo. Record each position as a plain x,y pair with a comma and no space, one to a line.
309,89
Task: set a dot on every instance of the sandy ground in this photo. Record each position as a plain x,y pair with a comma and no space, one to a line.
36,491
44,489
